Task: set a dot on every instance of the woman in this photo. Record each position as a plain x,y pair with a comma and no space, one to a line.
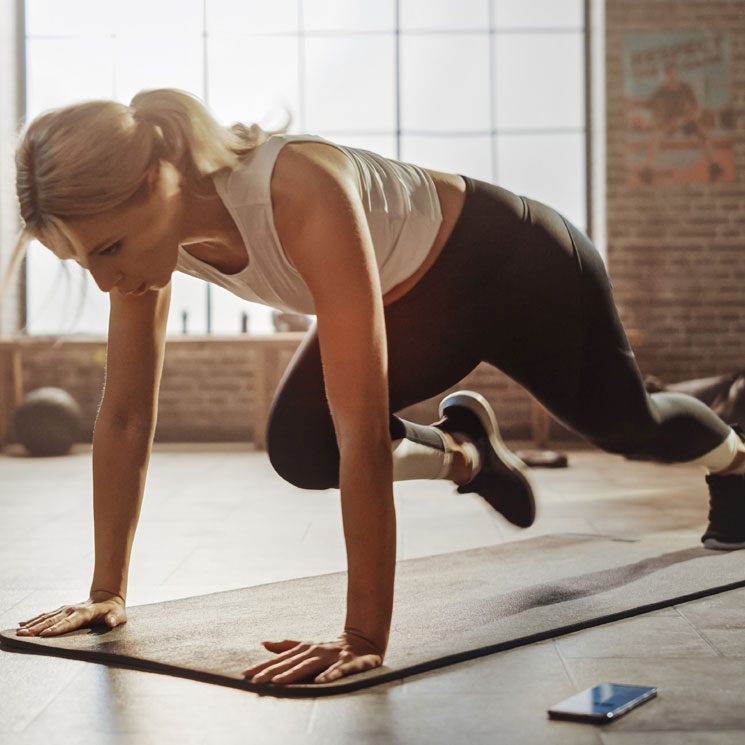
415,277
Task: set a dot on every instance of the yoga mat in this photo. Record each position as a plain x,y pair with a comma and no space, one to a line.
448,608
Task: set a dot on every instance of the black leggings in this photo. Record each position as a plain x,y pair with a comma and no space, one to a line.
519,287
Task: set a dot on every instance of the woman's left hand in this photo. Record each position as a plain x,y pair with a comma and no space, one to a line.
323,662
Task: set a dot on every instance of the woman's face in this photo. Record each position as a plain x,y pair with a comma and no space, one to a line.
134,248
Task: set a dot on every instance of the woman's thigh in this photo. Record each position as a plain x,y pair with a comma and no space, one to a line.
563,339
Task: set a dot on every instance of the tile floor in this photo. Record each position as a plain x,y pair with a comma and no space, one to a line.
217,517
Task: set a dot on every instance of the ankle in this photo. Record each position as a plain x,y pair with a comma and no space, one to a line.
461,467
461,471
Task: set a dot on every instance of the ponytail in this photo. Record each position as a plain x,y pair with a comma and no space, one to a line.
190,137
87,158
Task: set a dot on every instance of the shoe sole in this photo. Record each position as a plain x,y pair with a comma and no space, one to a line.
716,545
478,405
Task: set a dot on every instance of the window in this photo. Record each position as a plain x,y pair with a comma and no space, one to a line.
494,89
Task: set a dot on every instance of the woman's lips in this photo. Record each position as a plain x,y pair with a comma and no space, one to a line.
141,290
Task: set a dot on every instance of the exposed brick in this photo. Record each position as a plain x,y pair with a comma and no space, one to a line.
676,253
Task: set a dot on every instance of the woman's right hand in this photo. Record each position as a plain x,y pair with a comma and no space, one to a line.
101,607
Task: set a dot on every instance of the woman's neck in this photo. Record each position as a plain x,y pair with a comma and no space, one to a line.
210,234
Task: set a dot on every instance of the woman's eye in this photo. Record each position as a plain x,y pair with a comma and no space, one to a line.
113,248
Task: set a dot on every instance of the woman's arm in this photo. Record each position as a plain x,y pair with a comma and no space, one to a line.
121,449
325,235
124,430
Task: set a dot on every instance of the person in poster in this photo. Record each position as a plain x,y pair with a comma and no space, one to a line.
679,118
674,108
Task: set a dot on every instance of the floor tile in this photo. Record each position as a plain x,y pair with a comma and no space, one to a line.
29,684
532,667
110,702
722,611
673,738
476,719
652,634
729,642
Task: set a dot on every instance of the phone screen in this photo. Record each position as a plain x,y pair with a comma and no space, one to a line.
602,703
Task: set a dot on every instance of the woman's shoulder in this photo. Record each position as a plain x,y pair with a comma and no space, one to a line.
304,167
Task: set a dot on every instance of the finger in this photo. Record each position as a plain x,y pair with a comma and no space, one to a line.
283,646
111,616
30,620
297,649
299,671
330,673
280,667
66,624
40,617
67,621
262,672
39,626
342,668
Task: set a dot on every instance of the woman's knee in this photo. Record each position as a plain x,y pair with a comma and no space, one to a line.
671,428
302,450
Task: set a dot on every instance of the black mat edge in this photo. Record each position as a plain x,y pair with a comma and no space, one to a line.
16,644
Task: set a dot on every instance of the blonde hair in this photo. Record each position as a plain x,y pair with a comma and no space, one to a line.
84,159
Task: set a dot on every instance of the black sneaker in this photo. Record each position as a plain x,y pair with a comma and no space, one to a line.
502,478
726,531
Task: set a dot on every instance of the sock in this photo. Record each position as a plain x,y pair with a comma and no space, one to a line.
738,467
419,460
432,459
722,457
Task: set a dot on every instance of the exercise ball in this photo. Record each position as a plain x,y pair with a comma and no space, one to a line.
48,422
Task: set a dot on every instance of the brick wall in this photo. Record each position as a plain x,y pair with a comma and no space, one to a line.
213,389
676,253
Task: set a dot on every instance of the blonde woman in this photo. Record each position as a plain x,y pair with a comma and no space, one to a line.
414,276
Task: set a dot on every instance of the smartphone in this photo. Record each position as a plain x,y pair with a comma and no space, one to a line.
602,703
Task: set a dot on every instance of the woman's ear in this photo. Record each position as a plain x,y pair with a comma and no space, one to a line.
153,176
163,177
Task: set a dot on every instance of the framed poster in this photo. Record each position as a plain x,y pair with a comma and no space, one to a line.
678,107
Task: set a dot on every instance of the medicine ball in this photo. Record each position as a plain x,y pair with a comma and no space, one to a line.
48,422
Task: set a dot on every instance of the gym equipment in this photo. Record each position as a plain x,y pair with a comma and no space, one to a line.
449,608
543,458
48,422
724,394
290,321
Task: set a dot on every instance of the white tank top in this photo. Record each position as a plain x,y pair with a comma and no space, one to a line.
401,207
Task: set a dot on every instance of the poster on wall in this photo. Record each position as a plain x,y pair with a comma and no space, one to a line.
678,105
